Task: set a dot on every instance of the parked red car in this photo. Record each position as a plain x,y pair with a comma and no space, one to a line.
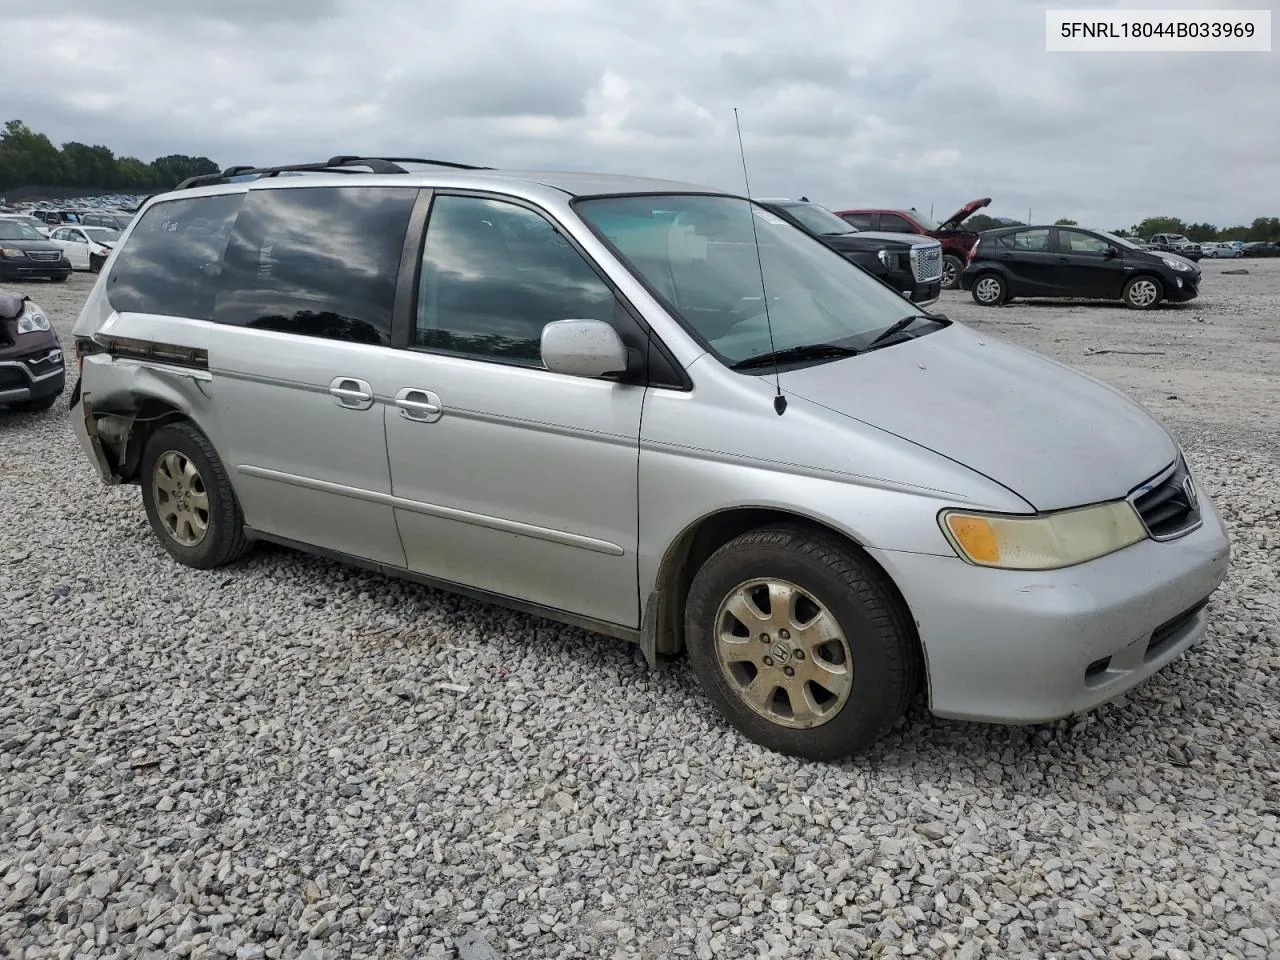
956,243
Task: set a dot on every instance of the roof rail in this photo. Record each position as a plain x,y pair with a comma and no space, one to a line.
339,164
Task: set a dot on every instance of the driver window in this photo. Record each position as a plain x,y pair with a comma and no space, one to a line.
493,275
1073,241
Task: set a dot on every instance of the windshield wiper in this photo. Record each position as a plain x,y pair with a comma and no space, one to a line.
811,351
895,328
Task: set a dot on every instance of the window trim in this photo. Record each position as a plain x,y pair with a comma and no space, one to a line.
404,316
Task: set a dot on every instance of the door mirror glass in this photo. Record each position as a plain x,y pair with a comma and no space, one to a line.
583,348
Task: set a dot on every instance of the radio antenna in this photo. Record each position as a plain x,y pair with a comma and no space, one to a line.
779,401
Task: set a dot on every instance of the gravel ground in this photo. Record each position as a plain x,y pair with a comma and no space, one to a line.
289,758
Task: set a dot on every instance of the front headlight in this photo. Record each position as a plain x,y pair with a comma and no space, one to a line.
889,259
32,321
1045,542
1177,264
12,253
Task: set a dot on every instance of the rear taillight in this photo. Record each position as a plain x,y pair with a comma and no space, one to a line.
973,252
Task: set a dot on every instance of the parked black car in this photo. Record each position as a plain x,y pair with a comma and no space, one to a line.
32,369
1262,248
1073,262
910,264
25,254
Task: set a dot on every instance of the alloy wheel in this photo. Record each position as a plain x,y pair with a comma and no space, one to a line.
783,653
180,497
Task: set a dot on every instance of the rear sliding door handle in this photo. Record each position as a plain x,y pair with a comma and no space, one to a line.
417,404
351,393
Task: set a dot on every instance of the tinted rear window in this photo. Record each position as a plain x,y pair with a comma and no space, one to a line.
170,263
317,261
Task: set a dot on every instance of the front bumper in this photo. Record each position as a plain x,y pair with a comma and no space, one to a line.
13,269
926,294
1183,288
1010,646
32,376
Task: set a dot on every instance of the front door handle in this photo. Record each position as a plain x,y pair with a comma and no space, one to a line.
351,393
417,404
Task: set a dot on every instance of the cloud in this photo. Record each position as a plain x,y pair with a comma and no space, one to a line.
914,104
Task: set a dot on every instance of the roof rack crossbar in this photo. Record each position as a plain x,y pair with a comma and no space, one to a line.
338,164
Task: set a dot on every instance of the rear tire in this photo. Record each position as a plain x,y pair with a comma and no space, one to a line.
990,290
952,267
801,642
189,498
1142,293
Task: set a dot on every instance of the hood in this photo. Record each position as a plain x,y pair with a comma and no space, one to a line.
1052,435
909,238
964,213
31,245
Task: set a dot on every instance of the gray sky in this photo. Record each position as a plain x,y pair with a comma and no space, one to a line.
924,103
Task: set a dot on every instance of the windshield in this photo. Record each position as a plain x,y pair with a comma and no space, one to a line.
926,222
699,254
102,234
15,230
818,219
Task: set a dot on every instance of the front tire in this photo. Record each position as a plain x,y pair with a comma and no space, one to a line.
1142,293
990,290
189,499
952,267
801,642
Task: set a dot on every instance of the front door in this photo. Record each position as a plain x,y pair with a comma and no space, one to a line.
299,361
1084,267
509,478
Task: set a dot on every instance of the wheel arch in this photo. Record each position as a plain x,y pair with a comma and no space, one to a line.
702,537
125,419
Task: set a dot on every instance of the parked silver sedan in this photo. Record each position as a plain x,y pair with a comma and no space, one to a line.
654,410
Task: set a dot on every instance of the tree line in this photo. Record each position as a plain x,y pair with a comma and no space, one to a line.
29,159
1262,228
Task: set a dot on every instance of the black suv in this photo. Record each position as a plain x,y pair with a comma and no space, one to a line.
26,254
1073,262
910,264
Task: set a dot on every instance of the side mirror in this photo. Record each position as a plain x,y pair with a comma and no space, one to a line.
1111,253
583,348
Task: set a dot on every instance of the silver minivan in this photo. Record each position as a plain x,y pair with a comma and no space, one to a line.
654,410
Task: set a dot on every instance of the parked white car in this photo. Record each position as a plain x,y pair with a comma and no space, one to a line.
86,247
1219,250
35,223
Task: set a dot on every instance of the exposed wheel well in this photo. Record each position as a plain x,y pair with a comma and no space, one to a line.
125,435
692,548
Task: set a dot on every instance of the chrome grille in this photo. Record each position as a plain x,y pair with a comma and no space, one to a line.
44,256
926,262
1168,503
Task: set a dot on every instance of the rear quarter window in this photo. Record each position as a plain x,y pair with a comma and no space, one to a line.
317,261
171,261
